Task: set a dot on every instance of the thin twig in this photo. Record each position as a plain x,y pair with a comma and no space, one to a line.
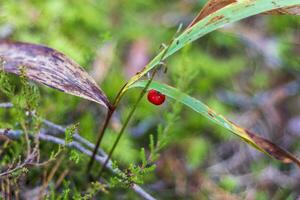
6,105
26,162
119,96
13,134
126,123
61,178
100,137
76,136
100,159
49,177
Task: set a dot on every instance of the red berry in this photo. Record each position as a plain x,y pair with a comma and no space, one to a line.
156,97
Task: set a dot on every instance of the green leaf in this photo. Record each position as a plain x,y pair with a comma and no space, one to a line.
231,13
256,141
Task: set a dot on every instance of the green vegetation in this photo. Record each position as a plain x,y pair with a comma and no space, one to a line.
170,151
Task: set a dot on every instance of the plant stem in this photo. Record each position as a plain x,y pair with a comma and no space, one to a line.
112,109
100,136
110,112
117,100
126,122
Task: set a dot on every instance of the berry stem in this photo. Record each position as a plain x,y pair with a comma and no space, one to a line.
119,96
126,123
100,137
115,104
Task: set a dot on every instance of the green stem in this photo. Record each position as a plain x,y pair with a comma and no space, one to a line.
118,98
126,123
110,112
114,106
100,137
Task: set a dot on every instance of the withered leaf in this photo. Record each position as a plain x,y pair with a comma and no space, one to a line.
273,149
210,7
293,10
50,67
214,5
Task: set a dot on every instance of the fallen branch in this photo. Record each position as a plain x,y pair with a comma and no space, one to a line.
14,134
6,105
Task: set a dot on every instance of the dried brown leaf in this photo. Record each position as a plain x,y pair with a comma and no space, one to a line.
294,10
211,7
50,67
273,149
214,5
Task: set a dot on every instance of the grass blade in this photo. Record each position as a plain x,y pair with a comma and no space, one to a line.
230,13
256,141
214,5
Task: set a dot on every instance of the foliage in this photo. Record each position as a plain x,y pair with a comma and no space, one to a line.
168,144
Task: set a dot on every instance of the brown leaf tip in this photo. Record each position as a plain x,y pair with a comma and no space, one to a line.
273,149
209,8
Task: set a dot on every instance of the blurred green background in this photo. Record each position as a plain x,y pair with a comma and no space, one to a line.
233,70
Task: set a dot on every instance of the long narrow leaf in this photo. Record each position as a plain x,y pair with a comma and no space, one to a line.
293,10
256,141
230,13
213,5
210,7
